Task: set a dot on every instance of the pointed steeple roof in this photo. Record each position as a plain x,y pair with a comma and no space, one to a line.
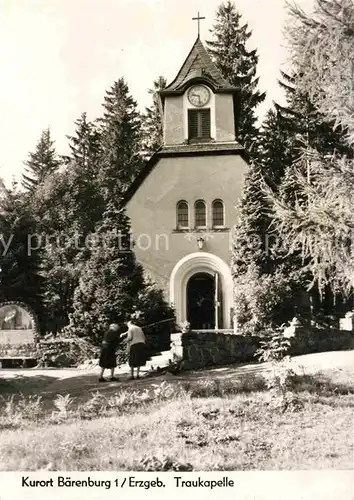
198,65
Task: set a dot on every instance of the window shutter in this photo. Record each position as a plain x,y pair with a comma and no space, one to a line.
199,123
192,123
205,118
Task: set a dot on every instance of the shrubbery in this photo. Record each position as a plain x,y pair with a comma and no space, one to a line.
280,379
64,351
262,300
113,285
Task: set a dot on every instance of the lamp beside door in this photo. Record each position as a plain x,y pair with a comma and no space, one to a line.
200,242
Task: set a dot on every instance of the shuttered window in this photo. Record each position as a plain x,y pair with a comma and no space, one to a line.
199,123
182,215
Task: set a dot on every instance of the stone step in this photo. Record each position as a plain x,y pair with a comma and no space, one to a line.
160,360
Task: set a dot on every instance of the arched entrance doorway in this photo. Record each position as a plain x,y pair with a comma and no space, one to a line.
201,301
210,269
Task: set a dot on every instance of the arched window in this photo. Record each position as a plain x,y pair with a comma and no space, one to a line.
200,213
182,215
218,213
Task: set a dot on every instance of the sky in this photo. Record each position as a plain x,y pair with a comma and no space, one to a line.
58,57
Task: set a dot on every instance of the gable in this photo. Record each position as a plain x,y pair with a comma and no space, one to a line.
180,151
152,208
198,64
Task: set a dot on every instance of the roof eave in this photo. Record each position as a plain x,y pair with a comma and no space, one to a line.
199,79
182,89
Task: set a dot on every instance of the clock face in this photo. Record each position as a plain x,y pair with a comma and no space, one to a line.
198,95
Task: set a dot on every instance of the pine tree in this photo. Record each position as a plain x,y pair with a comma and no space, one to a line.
111,278
250,232
68,206
321,224
286,131
306,124
153,121
42,163
120,129
84,145
268,286
251,262
238,65
258,253
321,46
255,237
276,149
20,278
112,285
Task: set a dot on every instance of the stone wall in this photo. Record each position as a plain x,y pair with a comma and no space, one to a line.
197,350
201,349
307,341
55,352
25,350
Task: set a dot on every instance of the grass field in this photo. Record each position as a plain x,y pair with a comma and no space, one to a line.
204,423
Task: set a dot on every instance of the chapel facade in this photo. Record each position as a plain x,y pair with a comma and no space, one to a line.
183,205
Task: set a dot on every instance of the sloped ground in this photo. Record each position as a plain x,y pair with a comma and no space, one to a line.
50,382
217,419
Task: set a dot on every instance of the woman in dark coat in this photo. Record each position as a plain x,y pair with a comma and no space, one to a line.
108,351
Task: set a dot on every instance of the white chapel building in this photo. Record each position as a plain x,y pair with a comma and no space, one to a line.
183,205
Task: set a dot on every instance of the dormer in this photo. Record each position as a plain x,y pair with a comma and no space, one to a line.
199,103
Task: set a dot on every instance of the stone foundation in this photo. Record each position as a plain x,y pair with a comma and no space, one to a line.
200,349
195,350
55,352
307,341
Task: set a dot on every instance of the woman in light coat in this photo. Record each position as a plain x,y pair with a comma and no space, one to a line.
135,339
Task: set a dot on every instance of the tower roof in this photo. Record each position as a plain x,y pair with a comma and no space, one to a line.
198,65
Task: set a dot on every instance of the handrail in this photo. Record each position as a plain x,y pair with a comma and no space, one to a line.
159,322
213,330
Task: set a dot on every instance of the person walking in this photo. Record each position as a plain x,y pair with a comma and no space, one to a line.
135,339
109,346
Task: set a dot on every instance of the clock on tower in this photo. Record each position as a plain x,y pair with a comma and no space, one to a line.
199,95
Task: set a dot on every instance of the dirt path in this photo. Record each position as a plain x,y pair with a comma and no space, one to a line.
49,382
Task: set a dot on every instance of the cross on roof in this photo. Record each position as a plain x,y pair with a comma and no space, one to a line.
198,19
